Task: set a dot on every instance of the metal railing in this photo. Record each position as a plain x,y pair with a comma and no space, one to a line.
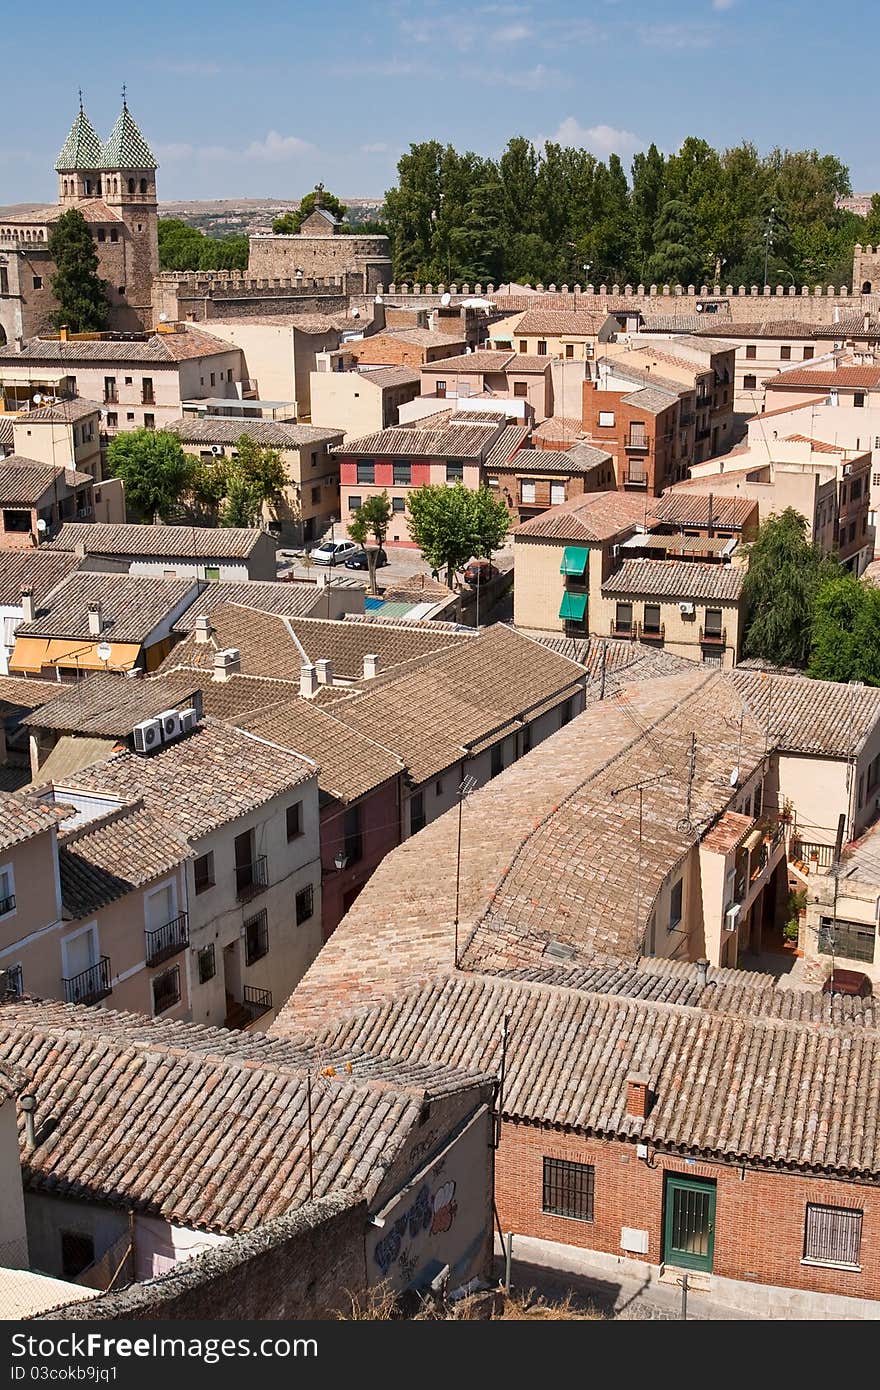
256,1001
623,629
806,850
7,905
713,639
636,477
635,442
251,879
168,941
652,634
89,985
13,981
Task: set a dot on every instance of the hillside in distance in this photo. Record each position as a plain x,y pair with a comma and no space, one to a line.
250,216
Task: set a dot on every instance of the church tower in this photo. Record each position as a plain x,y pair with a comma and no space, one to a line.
79,164
128,174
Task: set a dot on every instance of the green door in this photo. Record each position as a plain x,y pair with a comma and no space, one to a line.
689,1222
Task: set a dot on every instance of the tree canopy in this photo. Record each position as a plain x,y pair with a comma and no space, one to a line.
81,293
846,631
182,247
371,522
154,469
289,223
780,588
451,525
557,213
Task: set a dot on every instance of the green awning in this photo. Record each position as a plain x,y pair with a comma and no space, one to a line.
575,559
573,607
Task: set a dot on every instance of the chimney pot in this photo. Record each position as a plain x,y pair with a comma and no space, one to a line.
324,668
203,628
702,972
638,1094
96,625
27,604
227,663
371,666
308,681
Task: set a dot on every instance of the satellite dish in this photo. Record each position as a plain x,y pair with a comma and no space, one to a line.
734,777
355,313
163,317
41,525
378,299
104,650
38,399
446,298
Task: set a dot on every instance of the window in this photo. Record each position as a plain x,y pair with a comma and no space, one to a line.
566,713
77,1253
623,617
149,422
440,388
7,891
354,503
750,383
112,420
652,617
147,396
212,572
417,819
401,474
557,494
114,236
354,840
833,1235
859,398
808,353
523,345
497,760
38,282
314,459
366,471
606,419
166,990
305,904
751,352
129,415
569,349
568,1189
316,495
637,436
294,821
852,532
203,872
542,347
853,940
213,381
256,937
109,388
785,354
856,489
207,964
527,491
520,388
438,787
675,904
455,472
398,504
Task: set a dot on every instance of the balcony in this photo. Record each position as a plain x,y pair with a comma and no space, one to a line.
624,629
111,398
7,905
653,634
252,1005
702,434
167,941
636,477
251,879
89,985
637,444
13,982
813,857
714,638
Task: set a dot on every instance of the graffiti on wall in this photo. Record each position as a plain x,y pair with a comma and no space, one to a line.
433,1213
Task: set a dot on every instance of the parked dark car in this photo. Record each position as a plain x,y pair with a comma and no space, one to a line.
478,572
359,561
847,982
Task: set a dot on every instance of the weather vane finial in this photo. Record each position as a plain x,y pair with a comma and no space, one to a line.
80,100
123,96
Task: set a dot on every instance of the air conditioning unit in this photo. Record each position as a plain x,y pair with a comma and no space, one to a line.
170,722
731,917
147,735
188,719
216,448
687,610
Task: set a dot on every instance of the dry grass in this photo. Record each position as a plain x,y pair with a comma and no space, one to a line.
381,1304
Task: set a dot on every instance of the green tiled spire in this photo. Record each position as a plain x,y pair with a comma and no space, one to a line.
82,148
127,148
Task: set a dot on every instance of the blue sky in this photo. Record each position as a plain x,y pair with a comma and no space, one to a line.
263,100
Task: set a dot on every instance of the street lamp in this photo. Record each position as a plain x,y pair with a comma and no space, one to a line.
340,859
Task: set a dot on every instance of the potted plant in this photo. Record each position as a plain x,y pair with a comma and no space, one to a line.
797,902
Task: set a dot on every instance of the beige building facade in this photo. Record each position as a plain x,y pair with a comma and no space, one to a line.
361,402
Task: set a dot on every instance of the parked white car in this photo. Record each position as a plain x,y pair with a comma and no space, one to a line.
334,552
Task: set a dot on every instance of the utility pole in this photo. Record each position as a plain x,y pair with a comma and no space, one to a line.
464,791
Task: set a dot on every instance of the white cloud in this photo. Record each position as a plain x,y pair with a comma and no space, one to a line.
275,149
512,33
600,140
379,147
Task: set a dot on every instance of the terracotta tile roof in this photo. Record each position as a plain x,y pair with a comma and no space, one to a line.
579,459
387,377
70,755
24,482
453,439
157,348
236,698
20,820
109,705
350,763
763,328
40,570
270,434
6,431
116,858
166,542
810,716
728,832
419,337
507,447
687,579
595,516
558,427
622,662
818,446
347,643
429,715
689,509
213,775
206,1127
19,693
652,399
771,1095
561,323
296,599
483,360
62,412
266,645
132,608
822,378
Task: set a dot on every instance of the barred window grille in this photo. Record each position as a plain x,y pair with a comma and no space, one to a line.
833,1235
852,940
568,1188
207,964
166,990
256,937
305,904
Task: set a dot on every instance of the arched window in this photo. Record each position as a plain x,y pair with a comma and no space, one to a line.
866,287
131,185
143,185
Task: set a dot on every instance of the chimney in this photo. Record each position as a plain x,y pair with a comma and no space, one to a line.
308,681
371,666
867,323
28,1104
702,972
27,604
96,624
324,668
203,628
638,1094
227,663
63,332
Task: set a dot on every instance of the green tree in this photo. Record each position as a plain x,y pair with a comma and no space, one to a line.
255,477
207,489
648,171
779,591
289,223
79,290
182,247
676,259
154,469
846,631
371,522
451,525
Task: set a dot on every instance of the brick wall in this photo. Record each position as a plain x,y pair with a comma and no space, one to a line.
759,1218
656,462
